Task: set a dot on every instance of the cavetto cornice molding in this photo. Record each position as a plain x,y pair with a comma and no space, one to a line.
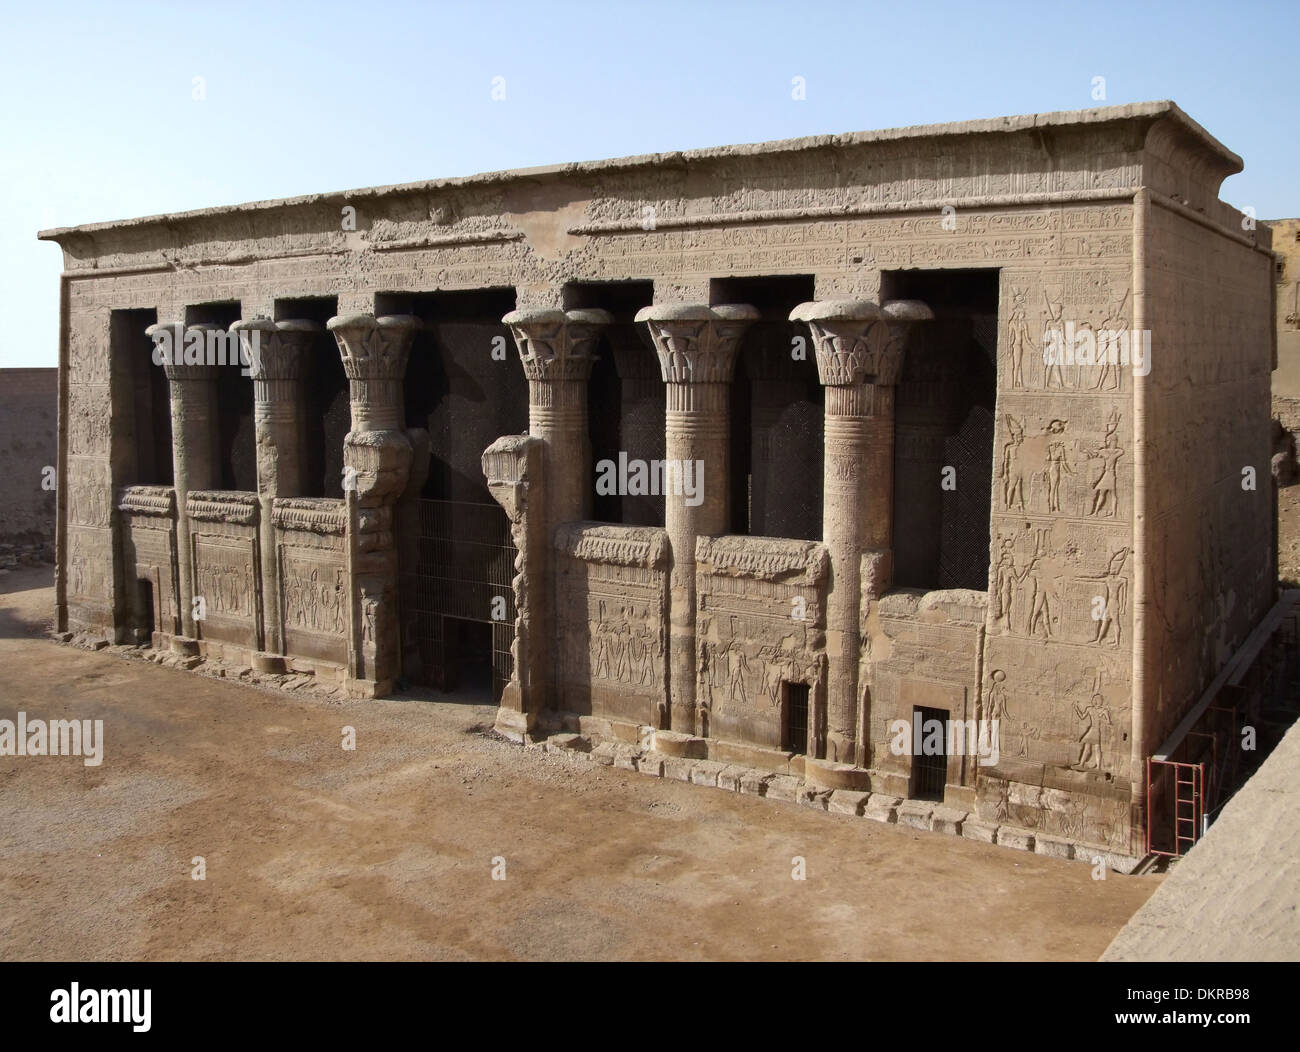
1132,124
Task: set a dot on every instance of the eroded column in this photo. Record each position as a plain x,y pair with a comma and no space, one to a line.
557,349
859,350
195,447
696,346
277,355
377,457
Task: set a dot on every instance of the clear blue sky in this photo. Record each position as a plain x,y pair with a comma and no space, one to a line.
98,122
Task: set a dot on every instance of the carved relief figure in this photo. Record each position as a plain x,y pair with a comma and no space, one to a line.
737,669
1092,716
1114,599
1009,470
1004,578
1108,371
1106,487
1017,338
1058,463
1040,609
1052,363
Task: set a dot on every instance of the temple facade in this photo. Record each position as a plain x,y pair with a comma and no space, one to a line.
774,455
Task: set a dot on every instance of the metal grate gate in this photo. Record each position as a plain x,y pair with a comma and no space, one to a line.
929,767
463,572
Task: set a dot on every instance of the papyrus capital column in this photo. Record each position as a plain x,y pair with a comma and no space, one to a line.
697,346
377,454
276,352
859,350
557,349
375,351
192,388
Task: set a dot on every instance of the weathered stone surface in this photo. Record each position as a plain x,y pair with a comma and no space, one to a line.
679,768
1052,846
1020,839
730,777
984,832
947,820
706,772
881,808
847,802
784,787
915,814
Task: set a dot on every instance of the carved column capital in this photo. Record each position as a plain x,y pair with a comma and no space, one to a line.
374,352
857,342
374,348
556,344
169,340
696,344
275,350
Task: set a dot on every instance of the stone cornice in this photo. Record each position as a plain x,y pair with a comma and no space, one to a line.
594,542
228,506
323,515
762,558
147,500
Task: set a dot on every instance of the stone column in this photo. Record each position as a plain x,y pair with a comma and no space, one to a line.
697,347
277,355
377,456
195,448
557,349
859,350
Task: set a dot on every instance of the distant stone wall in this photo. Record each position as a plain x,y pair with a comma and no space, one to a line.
29,429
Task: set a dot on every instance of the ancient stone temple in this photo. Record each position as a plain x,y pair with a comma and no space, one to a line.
766,455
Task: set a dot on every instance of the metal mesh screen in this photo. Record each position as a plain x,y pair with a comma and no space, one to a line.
464,570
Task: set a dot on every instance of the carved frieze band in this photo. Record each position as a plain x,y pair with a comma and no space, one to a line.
222,506
148,500
322,515
644,546
763,559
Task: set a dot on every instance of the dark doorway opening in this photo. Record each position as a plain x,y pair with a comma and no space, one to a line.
929,753
777,409
468,669
144,613
943,437
237,438
142,386
465,385
794,718
625,396
327,416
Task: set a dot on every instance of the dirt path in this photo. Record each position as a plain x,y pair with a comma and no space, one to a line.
314,852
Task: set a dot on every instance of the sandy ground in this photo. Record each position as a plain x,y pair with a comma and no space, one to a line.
314,852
